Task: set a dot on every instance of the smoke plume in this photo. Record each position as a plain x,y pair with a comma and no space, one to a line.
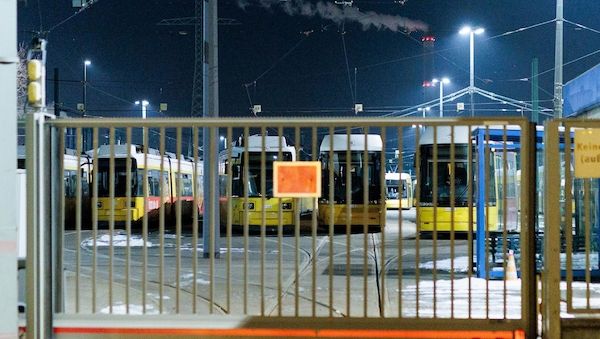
338,14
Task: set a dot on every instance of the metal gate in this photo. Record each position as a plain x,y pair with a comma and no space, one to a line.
117,242
571,230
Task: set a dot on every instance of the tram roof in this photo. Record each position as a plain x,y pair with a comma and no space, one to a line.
357,142
256,141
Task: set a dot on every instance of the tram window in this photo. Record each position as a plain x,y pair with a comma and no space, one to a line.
153,184
444,174
254,171
199,185
357,173
165,182
70,179
186,185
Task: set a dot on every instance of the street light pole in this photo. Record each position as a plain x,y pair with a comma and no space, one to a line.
471,32
471,60
144,104
86,63
86,133
441,82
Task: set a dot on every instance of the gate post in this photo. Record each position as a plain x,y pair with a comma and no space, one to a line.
551,273
39,255
528,217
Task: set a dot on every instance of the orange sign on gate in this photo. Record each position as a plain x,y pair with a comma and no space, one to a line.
296,179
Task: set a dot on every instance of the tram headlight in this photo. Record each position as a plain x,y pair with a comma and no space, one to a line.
286,206
250,205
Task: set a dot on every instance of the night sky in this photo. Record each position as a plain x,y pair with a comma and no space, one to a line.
133,58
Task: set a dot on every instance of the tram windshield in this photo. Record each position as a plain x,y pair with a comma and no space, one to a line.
396,189
120,178
445,170
360,167
254,172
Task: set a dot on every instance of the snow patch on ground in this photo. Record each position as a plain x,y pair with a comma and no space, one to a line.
119,239
133,309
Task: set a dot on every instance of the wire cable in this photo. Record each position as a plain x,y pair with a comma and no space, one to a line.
272,67
552,69
519,30
581,26
347,65
83,8
279,60
40,15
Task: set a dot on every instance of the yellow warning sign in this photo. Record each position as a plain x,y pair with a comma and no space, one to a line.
296,179
587,153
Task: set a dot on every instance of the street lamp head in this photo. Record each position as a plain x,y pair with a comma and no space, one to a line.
465,30
87,62
443,80
137,102
145,103
469,30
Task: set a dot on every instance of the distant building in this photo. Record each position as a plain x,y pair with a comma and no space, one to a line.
582,95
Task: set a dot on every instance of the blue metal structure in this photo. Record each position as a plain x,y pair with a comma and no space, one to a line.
493,138
582,93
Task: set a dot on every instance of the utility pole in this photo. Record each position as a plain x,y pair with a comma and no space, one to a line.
558,61
210,135
197,88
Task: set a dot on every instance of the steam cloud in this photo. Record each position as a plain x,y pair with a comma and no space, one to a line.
338,14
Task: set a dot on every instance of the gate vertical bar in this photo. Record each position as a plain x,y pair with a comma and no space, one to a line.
551,282
57,203
34,315
480,203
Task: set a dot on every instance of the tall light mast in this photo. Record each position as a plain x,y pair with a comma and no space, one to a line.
558,61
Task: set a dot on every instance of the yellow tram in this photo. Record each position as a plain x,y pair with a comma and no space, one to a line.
362,166
169,180
436,210
247,196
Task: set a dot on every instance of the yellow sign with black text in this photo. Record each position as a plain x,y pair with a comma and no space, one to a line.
587,153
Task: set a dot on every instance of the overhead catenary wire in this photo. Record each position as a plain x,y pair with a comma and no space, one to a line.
564,64
39,7
582,26
343,33
253,82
